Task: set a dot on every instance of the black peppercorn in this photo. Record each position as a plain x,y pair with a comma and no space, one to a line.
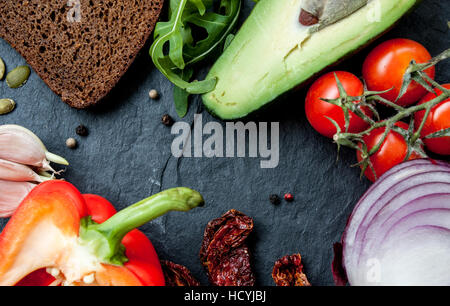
167,120
82,130
274,199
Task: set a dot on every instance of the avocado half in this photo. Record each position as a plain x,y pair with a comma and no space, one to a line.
272,52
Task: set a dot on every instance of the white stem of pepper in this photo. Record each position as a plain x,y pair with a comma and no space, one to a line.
89,279
22,146
11,195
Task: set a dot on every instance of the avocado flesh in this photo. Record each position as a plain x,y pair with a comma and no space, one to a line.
273,52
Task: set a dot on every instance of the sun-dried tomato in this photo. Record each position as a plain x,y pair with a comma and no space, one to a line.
288,271
177,275
224,251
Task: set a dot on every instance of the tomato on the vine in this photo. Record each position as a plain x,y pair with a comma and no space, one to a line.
318,110
392,151
437,120
385,66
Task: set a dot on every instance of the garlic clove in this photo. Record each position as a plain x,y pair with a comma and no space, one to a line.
11,195
22,146
11,171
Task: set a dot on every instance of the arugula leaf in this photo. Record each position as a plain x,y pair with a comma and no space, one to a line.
181,96
217,25
175,47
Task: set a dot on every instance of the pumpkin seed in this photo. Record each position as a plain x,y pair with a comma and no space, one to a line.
2,68
6,106
18,77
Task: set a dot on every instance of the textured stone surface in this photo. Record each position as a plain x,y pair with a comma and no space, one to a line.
126,157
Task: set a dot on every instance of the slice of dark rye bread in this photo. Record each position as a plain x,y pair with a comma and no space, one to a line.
80,61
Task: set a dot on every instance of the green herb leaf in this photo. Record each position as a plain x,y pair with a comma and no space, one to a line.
175,47
200,6
217,26
181,96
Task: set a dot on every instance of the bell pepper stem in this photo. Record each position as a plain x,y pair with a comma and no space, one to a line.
104,239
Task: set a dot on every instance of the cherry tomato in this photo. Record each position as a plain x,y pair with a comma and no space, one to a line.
317,110
385,66
437,120
391,153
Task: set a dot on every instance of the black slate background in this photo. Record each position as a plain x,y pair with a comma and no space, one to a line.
127,157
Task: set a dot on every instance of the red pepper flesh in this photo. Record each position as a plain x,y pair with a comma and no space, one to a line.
48,231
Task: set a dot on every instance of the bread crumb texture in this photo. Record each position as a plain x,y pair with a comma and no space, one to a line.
81,60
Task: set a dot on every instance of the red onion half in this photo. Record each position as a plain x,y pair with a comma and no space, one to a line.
399,232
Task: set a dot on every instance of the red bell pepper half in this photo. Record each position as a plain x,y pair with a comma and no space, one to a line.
58,236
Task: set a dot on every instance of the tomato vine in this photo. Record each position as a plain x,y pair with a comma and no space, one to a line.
369,99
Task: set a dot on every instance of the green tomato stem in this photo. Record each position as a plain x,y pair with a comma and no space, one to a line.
399,116
381,141
353,139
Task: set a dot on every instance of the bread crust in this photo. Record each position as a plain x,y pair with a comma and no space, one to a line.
80,59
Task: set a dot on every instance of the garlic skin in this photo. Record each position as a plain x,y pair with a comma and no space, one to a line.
24,162
11,195
14,172
22,146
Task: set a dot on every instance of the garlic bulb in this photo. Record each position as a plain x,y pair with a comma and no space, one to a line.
24,162
11,195
20,145
14,172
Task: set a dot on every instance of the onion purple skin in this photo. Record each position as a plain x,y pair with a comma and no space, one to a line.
381,180
422,190
409,222
433,201
380,209
428,166
339,275
388,181
420,204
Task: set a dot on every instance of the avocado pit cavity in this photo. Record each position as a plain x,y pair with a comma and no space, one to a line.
307,19
326,12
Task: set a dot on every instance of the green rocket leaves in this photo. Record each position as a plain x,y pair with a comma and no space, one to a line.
195,29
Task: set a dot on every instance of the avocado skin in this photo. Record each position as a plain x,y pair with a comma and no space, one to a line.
248,94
